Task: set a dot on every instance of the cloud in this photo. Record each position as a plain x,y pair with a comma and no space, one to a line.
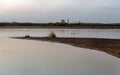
49,10
112,8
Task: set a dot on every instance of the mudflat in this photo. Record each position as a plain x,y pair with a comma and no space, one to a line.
110,46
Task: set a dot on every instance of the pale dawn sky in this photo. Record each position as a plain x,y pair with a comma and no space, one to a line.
55,10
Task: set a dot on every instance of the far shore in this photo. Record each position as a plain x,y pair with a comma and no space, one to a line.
110,46
60,25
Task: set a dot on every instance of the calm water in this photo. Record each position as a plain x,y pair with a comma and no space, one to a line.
93,33
28,57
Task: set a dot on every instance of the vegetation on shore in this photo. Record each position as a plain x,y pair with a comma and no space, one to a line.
52,35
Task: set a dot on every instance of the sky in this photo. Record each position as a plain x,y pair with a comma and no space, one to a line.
100,11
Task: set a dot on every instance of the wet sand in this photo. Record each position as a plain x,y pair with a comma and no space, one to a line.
110,46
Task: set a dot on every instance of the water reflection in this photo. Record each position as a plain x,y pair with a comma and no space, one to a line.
28,57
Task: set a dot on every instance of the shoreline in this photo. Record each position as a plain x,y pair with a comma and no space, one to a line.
60,25
110,46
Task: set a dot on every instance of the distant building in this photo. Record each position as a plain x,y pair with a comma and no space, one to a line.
63,21
68,21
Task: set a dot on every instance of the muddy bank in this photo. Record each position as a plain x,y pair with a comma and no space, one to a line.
110,46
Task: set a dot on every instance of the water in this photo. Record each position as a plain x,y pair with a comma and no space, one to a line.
28,57
88,33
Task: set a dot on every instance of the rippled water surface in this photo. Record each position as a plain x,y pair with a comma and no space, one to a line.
29,57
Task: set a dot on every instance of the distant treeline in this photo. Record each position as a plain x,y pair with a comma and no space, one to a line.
61,25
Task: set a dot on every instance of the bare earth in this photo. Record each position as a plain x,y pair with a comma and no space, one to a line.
110,46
